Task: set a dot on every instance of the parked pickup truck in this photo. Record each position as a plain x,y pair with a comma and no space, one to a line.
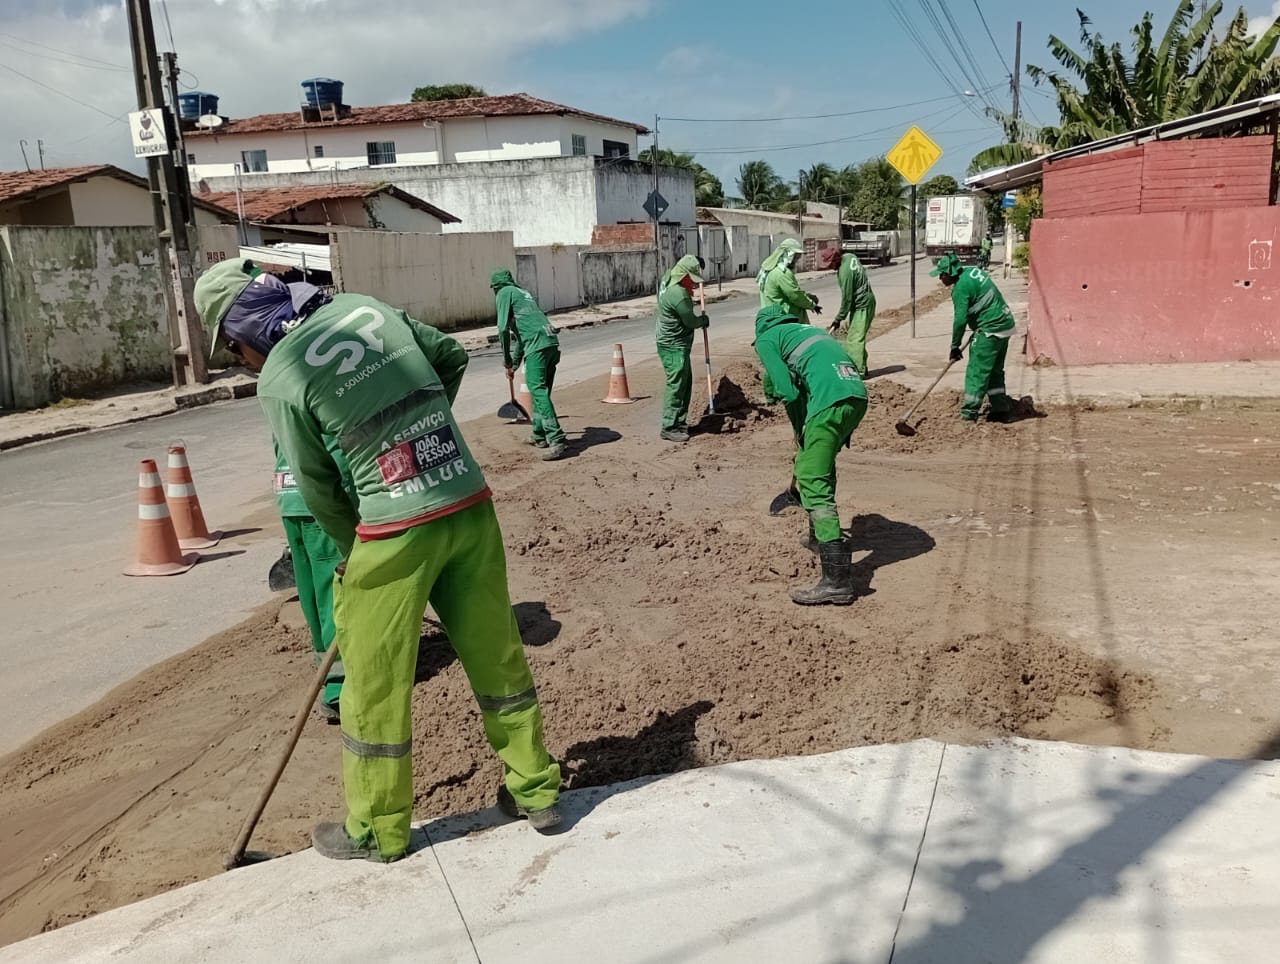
869,250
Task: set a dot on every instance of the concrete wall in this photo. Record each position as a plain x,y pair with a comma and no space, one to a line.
110,201
502,138
552,274
595,134
1168,287
541,201
776,226
394,215
80,309
614,275
51,209
442,280
623,186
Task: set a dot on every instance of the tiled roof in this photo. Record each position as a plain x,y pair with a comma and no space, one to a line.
507,105
16,185
268,204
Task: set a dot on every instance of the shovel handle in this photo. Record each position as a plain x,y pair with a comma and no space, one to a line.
920,400
300,721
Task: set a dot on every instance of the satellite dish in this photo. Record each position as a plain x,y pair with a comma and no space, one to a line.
209,121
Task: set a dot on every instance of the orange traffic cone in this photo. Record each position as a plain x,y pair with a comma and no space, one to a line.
619,393
158,553
188,519
524,396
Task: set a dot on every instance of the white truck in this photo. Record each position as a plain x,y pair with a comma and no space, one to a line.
955,224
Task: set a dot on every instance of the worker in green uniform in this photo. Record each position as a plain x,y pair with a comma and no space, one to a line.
984,254
980,307
858,304
778,283
423,531
526,333
814,377
315,558
677,321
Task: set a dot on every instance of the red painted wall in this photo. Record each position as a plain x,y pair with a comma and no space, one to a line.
1099,184
1180,286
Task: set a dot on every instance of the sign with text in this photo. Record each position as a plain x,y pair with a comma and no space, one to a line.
146,127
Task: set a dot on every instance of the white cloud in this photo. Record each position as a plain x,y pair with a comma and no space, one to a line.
255,53
1258,25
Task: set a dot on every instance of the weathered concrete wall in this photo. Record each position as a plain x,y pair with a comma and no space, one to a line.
774,226
622,187
614,275
440,279
551,274
540,201
80,309
1169,287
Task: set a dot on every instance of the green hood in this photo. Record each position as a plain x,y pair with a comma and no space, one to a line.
500,279
217,289
949,265
773,316
783,252
686,267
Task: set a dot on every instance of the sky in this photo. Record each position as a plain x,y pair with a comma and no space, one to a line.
716,73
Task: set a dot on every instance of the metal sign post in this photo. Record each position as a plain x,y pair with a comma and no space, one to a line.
912,157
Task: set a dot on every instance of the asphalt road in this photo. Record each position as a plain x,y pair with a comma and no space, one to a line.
74,627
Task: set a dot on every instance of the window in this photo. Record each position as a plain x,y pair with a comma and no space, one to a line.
616,149
579,144
253,162
191,159
317,151
381,152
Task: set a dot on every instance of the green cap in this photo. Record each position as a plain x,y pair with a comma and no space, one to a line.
217,289
949,265
500,279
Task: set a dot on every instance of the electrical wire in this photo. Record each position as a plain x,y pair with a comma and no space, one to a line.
69,53
957,47
164,6
63,60
913,34
963,42
62,93
991,37
848,113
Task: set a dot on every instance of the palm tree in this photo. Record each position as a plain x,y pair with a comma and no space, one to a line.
1188,72
668,158
883,195
760,186
708,192
819,183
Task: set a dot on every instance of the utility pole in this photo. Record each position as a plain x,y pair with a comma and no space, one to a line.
1017,71
40,150
657,242
186,339
22,145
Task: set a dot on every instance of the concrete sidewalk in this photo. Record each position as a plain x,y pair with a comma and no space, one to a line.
920,852
916,363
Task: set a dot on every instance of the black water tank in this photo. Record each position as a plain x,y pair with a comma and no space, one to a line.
322,91
195,104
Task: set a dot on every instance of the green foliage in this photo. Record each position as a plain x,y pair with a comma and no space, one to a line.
995,211
446,92
1025,210
760,186
1022,255
707,189
882,196
938,186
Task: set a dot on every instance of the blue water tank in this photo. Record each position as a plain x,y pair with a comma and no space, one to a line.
322,91
196,103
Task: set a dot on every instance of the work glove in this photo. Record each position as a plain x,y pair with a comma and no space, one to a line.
817,309
956,354
834,326
704,321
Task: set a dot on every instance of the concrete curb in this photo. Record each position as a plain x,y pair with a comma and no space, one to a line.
208,394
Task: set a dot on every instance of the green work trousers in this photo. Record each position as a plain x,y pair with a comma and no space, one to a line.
457,563
540,376
984,376
824,435
315,557
675,403
856,341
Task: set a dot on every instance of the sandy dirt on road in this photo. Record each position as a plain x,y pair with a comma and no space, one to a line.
1083,576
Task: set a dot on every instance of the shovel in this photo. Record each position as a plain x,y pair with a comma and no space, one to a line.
904,425
785,500
281,576
512,411
706,351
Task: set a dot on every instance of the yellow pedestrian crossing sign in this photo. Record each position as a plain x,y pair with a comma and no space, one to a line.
914,155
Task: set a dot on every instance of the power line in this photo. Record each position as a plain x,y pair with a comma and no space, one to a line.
991,37
848,113
958,34
953,42
63,60
164,6
62,93
59,50
914,35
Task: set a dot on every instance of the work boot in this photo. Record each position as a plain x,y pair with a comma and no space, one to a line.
836,586
676,434
554,452
545,820
537,443
332,840
329,714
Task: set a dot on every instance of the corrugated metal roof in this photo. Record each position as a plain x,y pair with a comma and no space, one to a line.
1019,175
312,257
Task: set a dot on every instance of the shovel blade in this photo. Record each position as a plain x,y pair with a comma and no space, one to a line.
513,412
905,428
281,575
784,500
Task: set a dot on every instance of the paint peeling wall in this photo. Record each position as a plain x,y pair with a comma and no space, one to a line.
440,279
83,309
551,274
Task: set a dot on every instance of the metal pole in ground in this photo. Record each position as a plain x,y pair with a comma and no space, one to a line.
913,261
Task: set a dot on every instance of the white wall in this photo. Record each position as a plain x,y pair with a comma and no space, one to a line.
111,202
552,274
623,186
595,134
502,138
442,280
395,215
292,151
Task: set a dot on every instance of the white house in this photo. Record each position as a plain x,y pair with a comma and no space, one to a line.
337,137
99,195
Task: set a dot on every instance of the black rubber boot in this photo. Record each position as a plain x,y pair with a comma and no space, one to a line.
546,820
811,541
836,585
